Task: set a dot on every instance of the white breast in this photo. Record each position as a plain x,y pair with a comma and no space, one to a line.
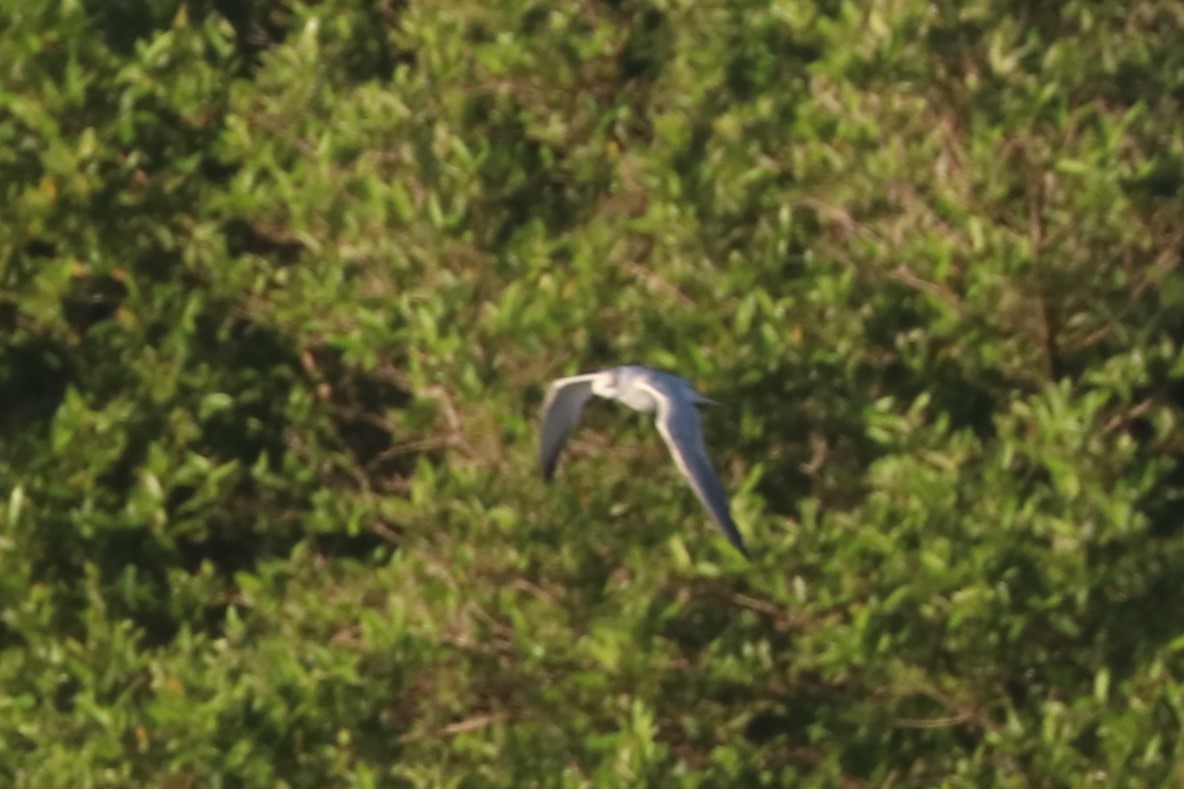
637,398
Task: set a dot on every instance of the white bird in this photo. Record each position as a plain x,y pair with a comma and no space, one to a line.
645,390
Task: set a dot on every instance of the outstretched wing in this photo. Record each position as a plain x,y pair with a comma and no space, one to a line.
561,411
678,422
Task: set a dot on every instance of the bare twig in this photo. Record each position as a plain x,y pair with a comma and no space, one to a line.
279,130
657,283
1164,262
819,452
1036,241
471,723
935,723
1128,416
904,275
840,216
781,616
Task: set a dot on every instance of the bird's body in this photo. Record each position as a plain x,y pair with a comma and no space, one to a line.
673,399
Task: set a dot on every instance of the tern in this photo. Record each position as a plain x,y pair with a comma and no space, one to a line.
648,391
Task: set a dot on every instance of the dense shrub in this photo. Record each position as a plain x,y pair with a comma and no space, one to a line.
283,284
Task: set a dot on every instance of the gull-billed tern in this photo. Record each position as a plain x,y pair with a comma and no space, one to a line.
645,390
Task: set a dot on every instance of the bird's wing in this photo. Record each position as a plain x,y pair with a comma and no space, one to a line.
678,422
561,410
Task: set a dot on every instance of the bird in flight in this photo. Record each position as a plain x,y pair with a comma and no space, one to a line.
648,391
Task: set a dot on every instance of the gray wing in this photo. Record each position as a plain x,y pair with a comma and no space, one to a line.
678,422
561,411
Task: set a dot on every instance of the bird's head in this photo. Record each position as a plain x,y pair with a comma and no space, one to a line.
606,384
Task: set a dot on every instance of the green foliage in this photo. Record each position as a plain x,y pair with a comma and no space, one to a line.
283,282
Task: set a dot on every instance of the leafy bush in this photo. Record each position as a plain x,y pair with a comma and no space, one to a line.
283,284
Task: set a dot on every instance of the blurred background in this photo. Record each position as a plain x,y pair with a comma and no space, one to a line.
283,284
